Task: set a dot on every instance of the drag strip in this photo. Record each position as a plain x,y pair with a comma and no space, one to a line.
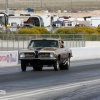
83,77
51,89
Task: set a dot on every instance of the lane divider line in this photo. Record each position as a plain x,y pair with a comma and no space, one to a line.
50,89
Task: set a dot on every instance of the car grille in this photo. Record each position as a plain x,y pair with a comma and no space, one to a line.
29,55
44,55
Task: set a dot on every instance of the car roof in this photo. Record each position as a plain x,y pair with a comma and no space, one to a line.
45,39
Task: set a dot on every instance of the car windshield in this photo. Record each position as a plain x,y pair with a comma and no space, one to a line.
43,43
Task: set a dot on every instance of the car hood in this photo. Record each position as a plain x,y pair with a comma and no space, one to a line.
40,49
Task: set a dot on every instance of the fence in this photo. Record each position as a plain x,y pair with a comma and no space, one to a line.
13,42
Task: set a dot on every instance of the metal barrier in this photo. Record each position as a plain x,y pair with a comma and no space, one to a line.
13,42
74,42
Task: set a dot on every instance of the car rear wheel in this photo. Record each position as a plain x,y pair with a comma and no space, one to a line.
23,66
56,65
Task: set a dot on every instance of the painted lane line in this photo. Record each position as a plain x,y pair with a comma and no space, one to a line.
49,89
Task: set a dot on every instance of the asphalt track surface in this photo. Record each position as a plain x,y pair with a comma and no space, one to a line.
80,82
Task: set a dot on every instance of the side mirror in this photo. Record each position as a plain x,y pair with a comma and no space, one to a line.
62,46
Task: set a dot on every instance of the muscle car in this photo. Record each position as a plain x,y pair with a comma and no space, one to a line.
49,52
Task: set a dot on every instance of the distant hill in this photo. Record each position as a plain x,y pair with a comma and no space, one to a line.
53,5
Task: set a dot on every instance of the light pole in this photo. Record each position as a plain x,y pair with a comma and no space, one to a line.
71,8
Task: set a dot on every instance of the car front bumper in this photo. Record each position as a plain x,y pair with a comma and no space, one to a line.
38,61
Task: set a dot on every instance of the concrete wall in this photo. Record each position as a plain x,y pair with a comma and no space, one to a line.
90,51
92,43
79,53
83,53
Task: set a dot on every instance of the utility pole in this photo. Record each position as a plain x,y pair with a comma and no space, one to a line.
6,6
41,4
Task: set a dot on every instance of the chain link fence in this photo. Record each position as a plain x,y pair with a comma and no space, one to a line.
9,42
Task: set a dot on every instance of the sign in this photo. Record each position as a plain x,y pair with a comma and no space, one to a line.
8,58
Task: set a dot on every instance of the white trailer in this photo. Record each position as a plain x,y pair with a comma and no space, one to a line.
14,23
47,19
71,22
18,21
95,21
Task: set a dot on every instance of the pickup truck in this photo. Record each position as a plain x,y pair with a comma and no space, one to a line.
49,52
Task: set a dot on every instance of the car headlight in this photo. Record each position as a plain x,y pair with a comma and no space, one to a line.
51,55
22,55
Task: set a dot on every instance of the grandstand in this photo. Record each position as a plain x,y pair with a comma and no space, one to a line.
52,5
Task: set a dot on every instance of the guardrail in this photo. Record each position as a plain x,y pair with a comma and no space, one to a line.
13,42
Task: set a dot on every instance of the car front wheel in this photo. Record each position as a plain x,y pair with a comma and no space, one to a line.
56,65
67,65
23,66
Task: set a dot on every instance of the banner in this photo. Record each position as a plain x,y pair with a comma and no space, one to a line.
8,58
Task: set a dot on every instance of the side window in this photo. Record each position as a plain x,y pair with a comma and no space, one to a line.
53,44
36,21
69,23
14,24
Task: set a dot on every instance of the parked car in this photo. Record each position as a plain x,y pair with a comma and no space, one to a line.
27,26
40,52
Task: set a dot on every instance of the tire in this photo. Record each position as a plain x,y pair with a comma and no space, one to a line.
67,65
61,67
56,65
23,66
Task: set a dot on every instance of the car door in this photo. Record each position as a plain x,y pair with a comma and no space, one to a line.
64,52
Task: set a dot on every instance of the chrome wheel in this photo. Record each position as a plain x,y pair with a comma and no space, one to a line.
67,65
56,65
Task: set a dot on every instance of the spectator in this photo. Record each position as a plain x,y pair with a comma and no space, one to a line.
60,39
18,26
8,25
21,25
1,26
61,42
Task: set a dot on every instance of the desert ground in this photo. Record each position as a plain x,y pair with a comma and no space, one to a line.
73,15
